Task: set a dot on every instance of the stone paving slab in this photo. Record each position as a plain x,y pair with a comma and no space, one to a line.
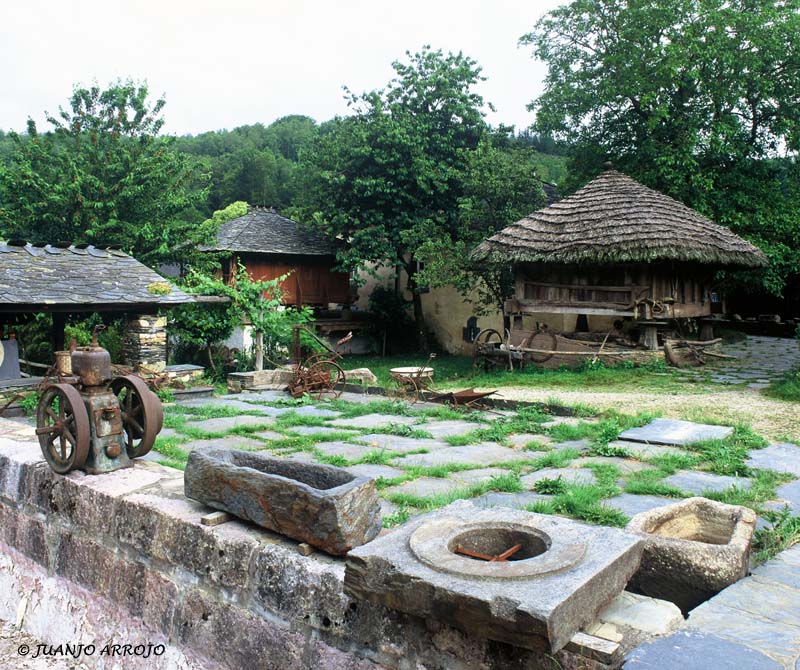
424,487
399,443
625,465
564,420
227,423
352,452
522,441
513,500
374,421
568,475
778,641
484,453
695,650
166,433
779,457
238,405
675,432
789,494
230,442
631,504
477,476
319,430
692,481
439,429
260,396
269,435
375,471
582,446
312,410
657,617
642,450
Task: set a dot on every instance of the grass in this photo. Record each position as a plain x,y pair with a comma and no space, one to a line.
456,371
787,387
649,483
762,489
582,502
507,483
782,533
728,456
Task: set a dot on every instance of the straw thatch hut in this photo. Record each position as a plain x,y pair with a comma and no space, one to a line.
617,248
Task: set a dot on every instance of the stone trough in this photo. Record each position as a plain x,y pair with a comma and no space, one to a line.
560,575
327,507
693,549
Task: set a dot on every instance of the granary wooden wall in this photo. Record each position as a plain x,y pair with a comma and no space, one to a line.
312,280
681,290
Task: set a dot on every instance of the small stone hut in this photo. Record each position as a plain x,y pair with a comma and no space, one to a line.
617,249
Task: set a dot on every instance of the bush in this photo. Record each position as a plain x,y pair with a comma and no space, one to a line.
390,319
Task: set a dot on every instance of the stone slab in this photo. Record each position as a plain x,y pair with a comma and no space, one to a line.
675,432
477,476
642,450
548,596
625,465
424,487
651,615
695,650
777,640
581,446
399,443
234,404
318,430
693,481
631,505
375,471
352,452
269,435
779,457
789,494
778,572
568,475
439,429
484,453
312,410
324,506
228,423
521,441
374,421
231,442
512,500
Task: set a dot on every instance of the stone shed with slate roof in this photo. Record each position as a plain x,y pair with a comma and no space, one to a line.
616,248
79,279
270,245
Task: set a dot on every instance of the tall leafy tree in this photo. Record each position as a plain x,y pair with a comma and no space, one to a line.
697,98
393,172
104,174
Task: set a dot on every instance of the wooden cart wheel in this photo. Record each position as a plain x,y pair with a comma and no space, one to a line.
63,428
542,339
484,339
142,413
322,378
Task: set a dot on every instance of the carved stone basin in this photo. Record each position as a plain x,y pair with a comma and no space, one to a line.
454,566
693,549
325,506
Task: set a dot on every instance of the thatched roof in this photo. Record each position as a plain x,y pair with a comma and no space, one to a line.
616,219
264,231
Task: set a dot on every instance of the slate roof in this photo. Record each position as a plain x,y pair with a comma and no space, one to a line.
264,231
616,219
68,277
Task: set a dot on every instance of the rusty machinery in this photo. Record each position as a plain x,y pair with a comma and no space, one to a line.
94,422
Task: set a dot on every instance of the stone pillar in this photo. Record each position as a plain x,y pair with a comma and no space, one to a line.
146,342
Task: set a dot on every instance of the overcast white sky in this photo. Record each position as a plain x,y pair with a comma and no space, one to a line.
224,64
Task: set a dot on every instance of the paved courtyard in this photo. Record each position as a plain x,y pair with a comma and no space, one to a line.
424,456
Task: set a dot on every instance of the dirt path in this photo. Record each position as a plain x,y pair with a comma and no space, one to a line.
774,419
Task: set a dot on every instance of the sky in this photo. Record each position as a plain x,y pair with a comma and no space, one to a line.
228,63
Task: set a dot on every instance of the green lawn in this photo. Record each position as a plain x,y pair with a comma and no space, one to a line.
456,371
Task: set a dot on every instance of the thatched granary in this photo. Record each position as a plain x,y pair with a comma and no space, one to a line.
616,248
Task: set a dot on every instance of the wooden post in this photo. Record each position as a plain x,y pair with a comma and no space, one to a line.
259,351
650,336
57,336
706,329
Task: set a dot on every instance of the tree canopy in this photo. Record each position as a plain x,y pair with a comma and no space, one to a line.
697,98
103,174
393,178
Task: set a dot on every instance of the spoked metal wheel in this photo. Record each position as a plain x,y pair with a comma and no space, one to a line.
142,414
62,425
322,378
405,387
486,342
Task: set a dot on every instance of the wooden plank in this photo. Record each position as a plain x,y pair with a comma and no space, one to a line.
215,518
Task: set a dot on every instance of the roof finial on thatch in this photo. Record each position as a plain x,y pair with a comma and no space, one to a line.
608,165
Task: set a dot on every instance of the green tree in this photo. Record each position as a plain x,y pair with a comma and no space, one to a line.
393,172
103,174
697,98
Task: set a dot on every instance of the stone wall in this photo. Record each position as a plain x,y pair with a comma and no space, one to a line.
124,556
145,343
